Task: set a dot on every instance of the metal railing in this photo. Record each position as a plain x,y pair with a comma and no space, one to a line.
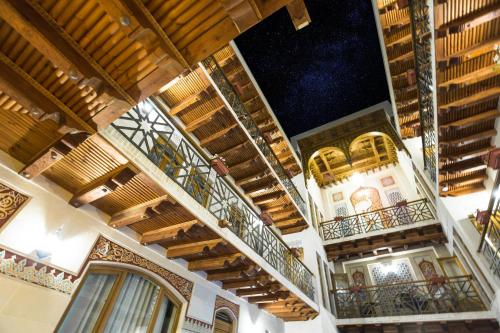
421,31
442,295
155,136
232,98
384,218
490,237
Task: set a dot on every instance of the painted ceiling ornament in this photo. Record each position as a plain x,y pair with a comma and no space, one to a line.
387,181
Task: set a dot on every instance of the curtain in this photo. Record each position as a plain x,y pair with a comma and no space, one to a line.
134,306
88,304
164,320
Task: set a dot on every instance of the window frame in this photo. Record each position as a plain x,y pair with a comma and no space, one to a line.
121,273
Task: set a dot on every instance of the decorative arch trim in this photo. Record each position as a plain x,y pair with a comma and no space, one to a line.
222,303
108,251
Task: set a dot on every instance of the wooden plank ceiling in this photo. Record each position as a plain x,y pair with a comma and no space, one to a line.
396,28
468,80
202,111
69,67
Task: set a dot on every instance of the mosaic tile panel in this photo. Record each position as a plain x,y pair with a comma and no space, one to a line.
11,202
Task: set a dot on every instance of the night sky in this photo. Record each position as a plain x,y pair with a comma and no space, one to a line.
327,70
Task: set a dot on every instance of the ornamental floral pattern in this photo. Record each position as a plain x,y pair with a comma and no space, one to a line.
20,267
106,250
221,302
11,202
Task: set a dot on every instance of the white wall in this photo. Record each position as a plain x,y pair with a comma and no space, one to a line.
26,307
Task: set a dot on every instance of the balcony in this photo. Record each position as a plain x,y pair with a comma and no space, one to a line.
246,120
400,226
400,215
440,295
154,135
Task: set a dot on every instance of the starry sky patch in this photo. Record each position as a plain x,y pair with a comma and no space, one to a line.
325,71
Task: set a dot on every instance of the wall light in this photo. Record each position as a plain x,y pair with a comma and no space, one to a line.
49,245
388,268
357,179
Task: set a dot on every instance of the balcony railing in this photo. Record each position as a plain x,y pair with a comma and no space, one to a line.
155,136
421,31
442,295
490,237
389,217
246,119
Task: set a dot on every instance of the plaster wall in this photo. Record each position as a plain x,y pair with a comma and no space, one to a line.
26,307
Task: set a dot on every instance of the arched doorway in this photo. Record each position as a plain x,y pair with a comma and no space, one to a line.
224,321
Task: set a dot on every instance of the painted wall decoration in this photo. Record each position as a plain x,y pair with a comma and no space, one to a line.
11,202
427,268
193,325
221,302
366,199
106,250
17,266
387,181
358,278
338,196
394,196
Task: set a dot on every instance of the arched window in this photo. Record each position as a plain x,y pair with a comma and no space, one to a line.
120,300
224,322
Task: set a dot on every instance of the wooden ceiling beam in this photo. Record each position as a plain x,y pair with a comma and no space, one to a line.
292,230
259,185
235,148
40,102
258,174
280,295
261,199
244,13
482,96
143,211
472,120
54,153
468,21
166,233
288,222
200,247
188,101
245,163
217,135
465,180
205,119
466,154
470,165
233,273
298,13
271,288
486,45
216,262
469,139
103,185
32,22
261,280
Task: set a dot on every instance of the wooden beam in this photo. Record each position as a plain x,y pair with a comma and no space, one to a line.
259,174
469,21
201,247
217,135
40,102
235,148
291,230
244,13
188,101
262,280
465,180
469,139
267,197
159,235
272,288
248,163
469,121
298,13
205,119
103,185
288,222
474,99
233,273
269,298
215,263
32,22
53,154
142,211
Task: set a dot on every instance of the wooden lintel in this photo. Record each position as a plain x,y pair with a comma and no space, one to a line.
141,212
159,235
215,263
103,185
52,154
244,13
298,13
200,247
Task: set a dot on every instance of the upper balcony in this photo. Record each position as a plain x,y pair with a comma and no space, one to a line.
400,226
232,122
432,296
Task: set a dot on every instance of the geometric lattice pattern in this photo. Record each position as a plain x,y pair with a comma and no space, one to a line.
399,272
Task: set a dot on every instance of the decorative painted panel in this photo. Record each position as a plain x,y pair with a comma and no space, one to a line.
394,196
387,181
338,196
358,278
11,202
366,199
221,302
106,250
427,268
